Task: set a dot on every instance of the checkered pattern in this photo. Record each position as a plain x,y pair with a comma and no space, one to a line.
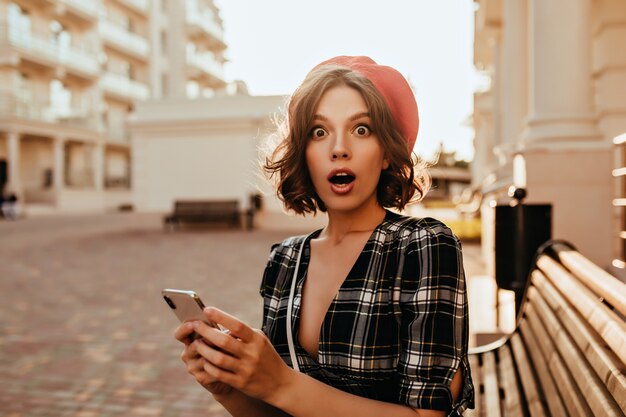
398,328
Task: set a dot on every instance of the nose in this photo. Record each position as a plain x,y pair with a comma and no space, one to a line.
340,148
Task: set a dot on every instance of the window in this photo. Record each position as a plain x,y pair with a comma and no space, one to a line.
60,99
60,36
19,23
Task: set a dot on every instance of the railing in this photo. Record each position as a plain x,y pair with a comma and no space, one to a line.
42,48
206,23
21,106
124,86
206,63
619,202
122,38
90,7
140,5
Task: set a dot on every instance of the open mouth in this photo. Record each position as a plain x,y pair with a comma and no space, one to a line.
342,178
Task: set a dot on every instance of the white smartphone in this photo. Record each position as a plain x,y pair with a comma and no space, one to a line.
186,305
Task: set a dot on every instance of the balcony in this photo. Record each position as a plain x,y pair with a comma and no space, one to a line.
139,6
123,87
22,106
204,66
199,24
83,9
44,52
122,40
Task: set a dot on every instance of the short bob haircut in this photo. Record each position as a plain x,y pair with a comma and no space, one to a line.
286,163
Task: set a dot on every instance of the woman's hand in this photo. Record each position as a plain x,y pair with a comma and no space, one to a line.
196,363
244,359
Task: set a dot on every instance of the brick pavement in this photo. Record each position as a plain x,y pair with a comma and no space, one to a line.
83,330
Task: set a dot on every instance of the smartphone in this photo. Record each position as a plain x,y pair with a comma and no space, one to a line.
186,305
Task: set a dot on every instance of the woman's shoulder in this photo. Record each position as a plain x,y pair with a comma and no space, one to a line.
287,248
411,228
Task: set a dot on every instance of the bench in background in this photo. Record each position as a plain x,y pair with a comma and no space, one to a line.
567,356
219,211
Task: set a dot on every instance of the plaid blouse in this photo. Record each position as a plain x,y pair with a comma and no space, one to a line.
397,330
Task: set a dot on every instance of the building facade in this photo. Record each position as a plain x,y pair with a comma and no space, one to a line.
71,71
558,75
209,150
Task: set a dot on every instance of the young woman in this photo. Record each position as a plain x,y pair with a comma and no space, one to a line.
371,310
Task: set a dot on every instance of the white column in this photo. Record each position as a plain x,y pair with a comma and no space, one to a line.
98,166
561,105
156,48
514,73
14,184
496,89
58,175
177,49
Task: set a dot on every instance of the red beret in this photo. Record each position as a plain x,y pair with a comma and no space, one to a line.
392,86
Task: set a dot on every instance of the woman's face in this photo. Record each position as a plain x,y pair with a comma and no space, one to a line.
343,154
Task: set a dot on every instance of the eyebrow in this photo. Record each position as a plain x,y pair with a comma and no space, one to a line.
352,118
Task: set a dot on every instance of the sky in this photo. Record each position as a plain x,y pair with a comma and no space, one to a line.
272,44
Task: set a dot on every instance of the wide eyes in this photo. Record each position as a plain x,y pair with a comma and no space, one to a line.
360,130
318,133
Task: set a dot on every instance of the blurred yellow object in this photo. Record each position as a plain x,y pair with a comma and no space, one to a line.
465,229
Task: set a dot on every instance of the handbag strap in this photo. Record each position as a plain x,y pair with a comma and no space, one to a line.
292,350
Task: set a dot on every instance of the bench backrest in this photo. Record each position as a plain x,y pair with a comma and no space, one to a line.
581,338
568,354
199,207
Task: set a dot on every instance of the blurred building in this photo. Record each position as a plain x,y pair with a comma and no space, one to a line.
70,73
450,178
557,71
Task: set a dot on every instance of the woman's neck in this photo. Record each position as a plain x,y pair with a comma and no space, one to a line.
342,223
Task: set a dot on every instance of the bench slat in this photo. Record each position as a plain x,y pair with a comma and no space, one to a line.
492,390
477,379
566,388
605,363
533,399
596,395
551,395
512,405
597,279
608,325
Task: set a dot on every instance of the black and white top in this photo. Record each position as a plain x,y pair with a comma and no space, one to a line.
397,330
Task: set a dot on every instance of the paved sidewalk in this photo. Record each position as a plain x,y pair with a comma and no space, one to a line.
83,330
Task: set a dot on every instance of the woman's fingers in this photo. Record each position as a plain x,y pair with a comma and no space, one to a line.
217,358
219,374
237,328
183,333
223,341
195,364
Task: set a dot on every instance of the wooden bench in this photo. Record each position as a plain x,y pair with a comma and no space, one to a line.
221,211
567,356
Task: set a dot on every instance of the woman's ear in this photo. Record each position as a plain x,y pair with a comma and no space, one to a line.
385,163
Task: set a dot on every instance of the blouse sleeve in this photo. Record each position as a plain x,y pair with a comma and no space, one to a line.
267,284
434,318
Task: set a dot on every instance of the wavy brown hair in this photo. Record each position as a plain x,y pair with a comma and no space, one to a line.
404,181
